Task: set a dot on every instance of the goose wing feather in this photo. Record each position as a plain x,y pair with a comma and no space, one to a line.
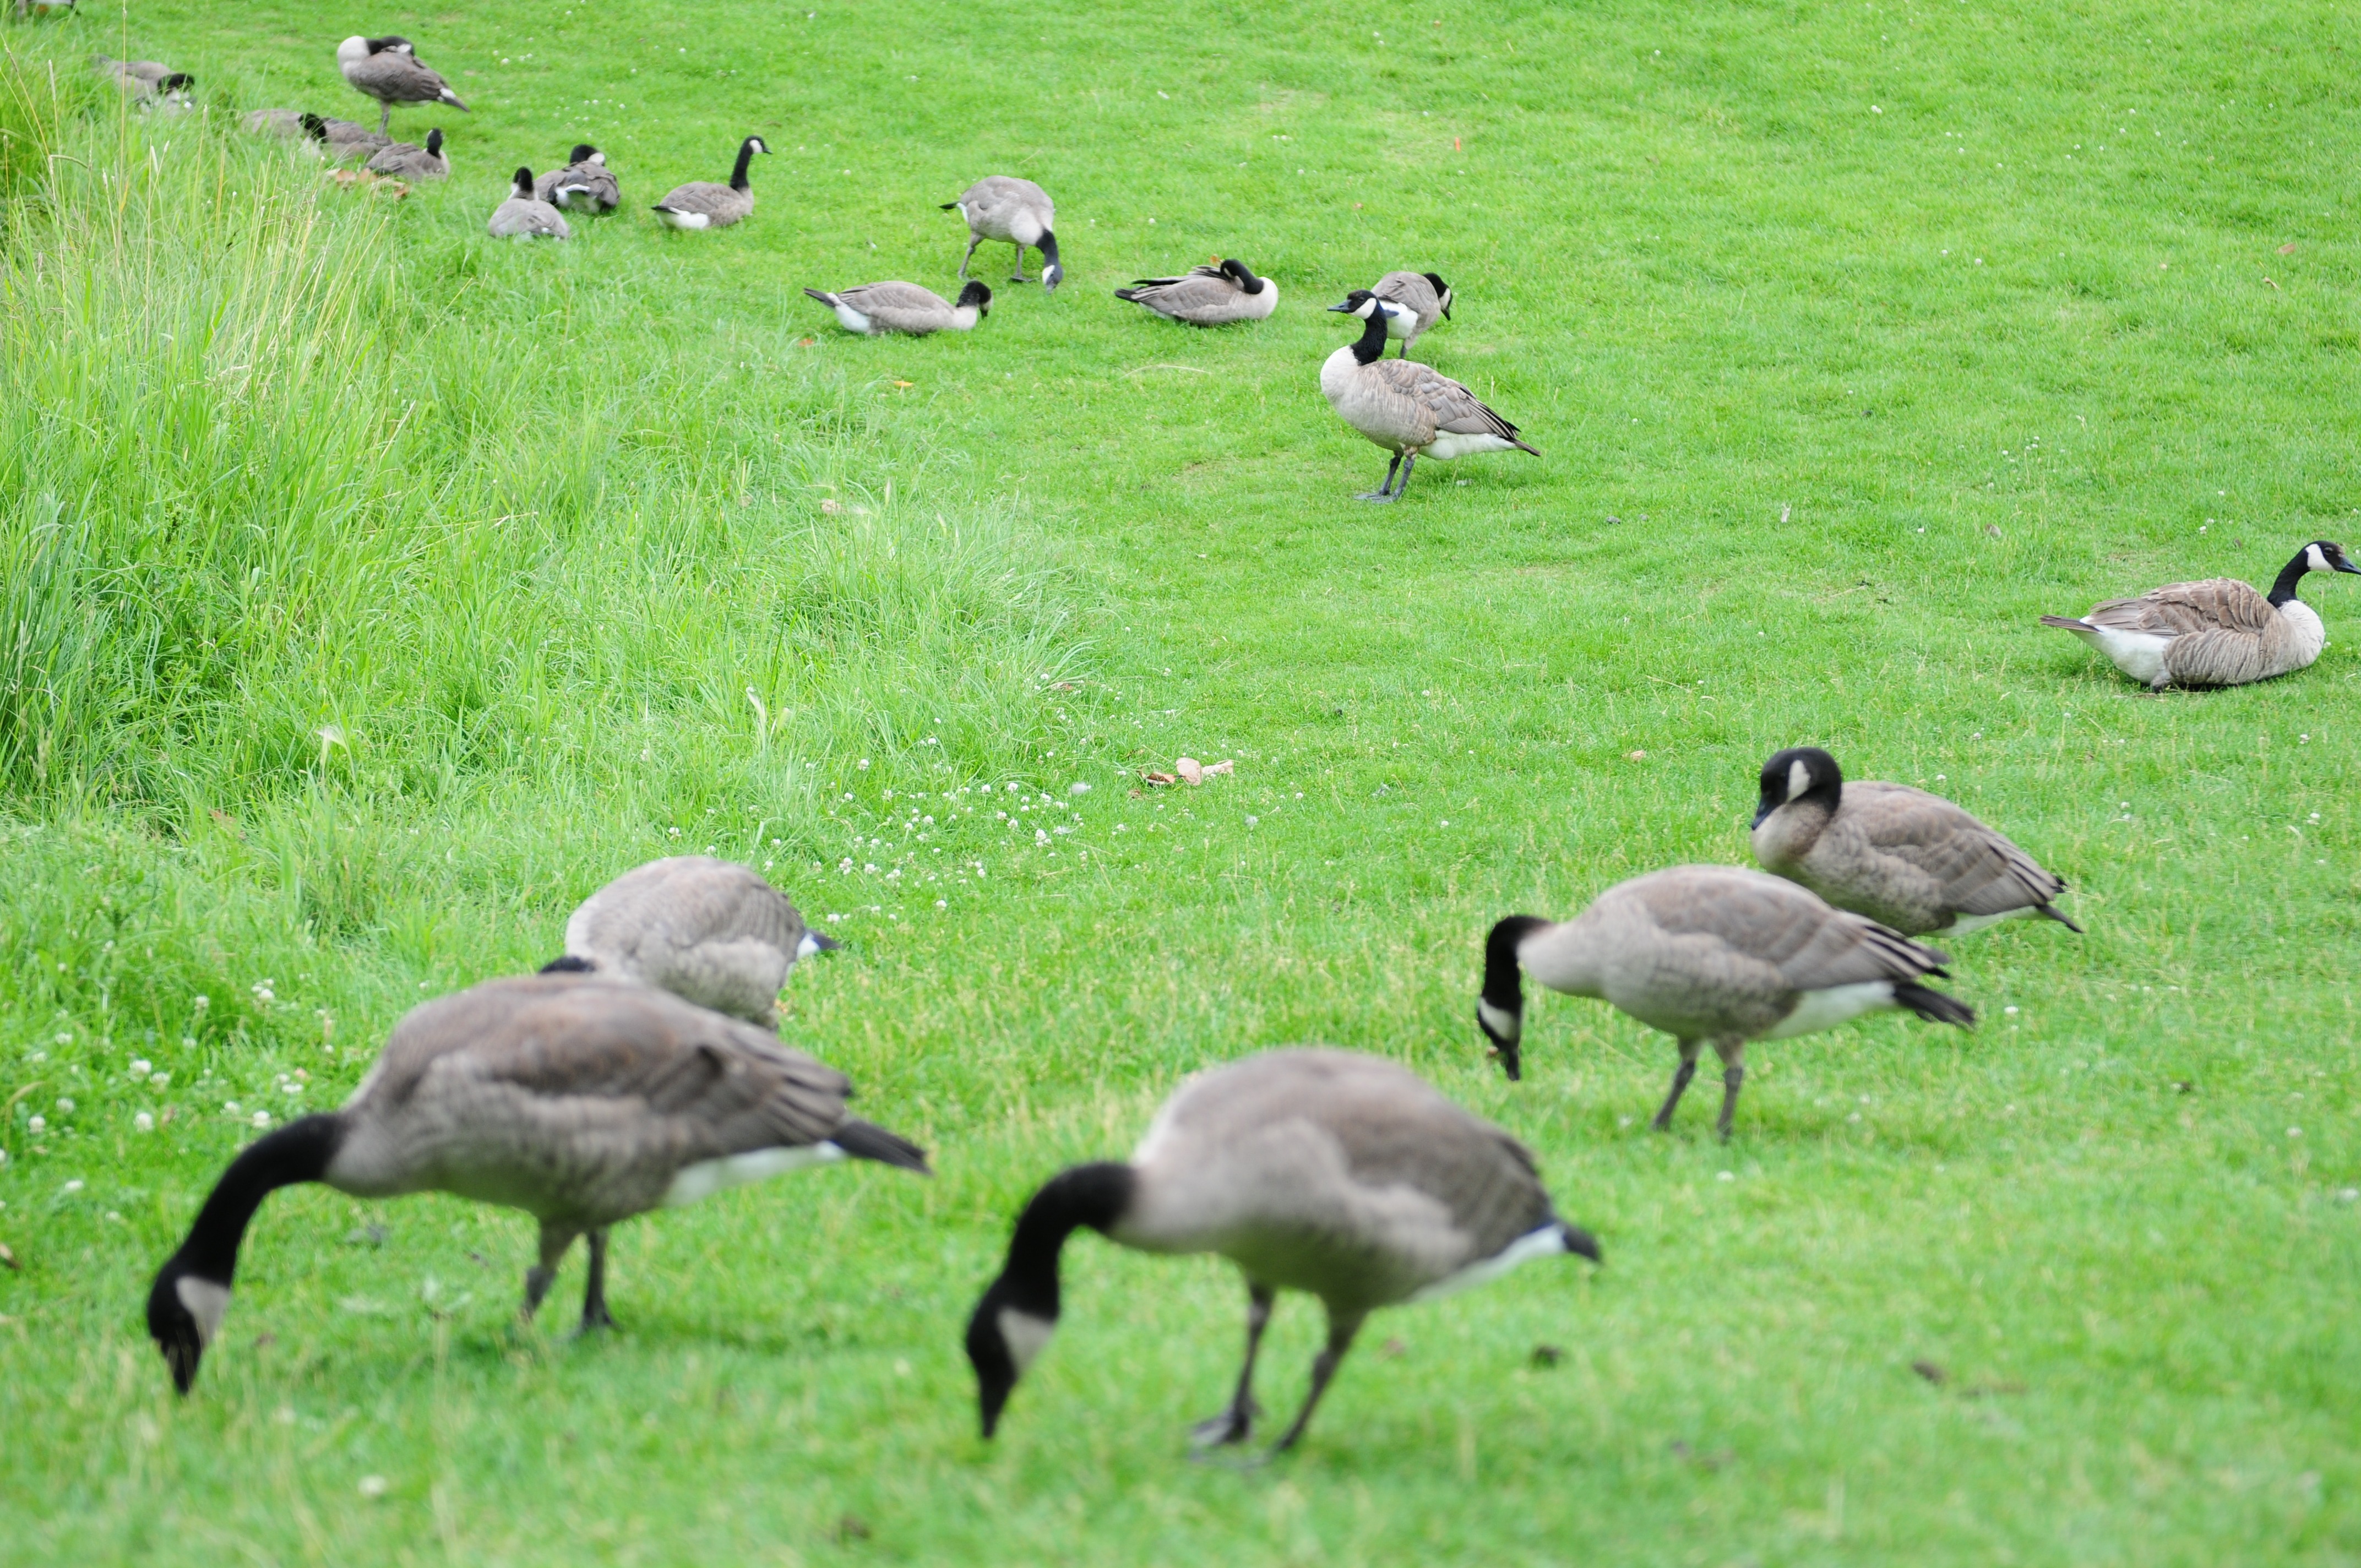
708,196
1981,873
594,181
392,76
1203,293
2222,604
707,929
1436,401
1757,918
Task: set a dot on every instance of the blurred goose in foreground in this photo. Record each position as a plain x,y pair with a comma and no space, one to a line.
1715,955
145,80
1340,1175
1407,409
1426,296
702,204
345,140
407,162
2218,632
389,71
1001,207
876,307
579,1099
584,185
1901,856
710,930
1207,296
525,215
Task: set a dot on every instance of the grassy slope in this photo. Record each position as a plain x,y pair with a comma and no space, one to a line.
1714,287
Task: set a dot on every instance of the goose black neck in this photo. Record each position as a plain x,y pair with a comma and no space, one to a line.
1247,281
738,180
1371,344
1048,249
298,1152
1093,1195
2291,575
1504,978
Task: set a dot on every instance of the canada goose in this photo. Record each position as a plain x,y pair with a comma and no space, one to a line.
1711,954
1901,856
389,71
712,931
2218,632
878,308
580,1099
1325,1171
702,204
584,185
1207,296
1001,207
1428,297
525,215
345,140
145,80
411,162
1407,409
285,124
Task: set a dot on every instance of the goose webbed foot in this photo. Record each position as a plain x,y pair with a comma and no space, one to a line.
1232,1427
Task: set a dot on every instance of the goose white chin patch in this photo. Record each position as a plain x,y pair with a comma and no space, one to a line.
207,1301
1503,1024
1549,1240
810,944
708,1177
1799,778
1024,1336
1838,1004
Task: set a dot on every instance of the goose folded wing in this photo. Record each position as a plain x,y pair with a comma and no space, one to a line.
1203,290
1484,1178
1812,946
1452,407
2178,608
1980,871
702,196
869,298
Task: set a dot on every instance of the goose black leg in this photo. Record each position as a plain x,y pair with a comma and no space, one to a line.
1384,492
555,1240
1663,1122
385,119
1323,1367
973,241
594,1294
1733,1073
1018,275
1232,1424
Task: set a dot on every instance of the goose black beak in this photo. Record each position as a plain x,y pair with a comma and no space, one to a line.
2345,563
1762,811
1344,310
1512,1060
1582,1243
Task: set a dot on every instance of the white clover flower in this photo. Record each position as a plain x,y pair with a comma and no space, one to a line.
65,1037
1077,787
141,1066
65,1106
74,1186
161,1080
36,1125
262,1118
229,1108
143,1123
201,1002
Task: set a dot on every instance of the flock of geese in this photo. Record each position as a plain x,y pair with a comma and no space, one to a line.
642,1069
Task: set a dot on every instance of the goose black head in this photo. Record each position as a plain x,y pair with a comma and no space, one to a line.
1500,1005
1053,271
184,1314
975,294
572,963
179,81
1442,293
1799,773
392,43
1360,302
2327,555
521,186
434,142
314,126
1241,275
756,144
584,153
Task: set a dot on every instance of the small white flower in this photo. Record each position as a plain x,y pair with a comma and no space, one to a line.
201,1002
2295,1132
74,1186
374,1485
64,1038
1250,822
1446,822
162,1081
36,1125
229,1108
262,1118
1726,1176
870,869
143,1123
1077,787
672,832
862,763
65,1106
141,1066
2009,1010
943,903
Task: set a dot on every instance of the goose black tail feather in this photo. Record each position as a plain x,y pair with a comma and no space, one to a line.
2051,912
866,1140
1932,1005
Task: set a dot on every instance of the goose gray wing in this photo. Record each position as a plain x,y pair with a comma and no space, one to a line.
1438,403
870,299
710,197
1203,291
1981,873
391,75
710,930
1768,920
1410,289
592,184
2217,603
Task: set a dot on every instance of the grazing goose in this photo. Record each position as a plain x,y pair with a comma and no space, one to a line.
1001,207
584,185
345,140
1901,856
145,80
1711,954
1207,296
878,308
1407,409
2218,632
406,161
579,1099
712,931
525,215
702,204
1428,298
1339,1175
389,71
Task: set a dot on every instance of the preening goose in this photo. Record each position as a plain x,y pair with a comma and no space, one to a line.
1427,297
584,185
877,308
406,161
389,71
1207,296
525,215
1714,955
712,931
2218,632
345,140
580,1099
1901,856
1001,207
1407,409
702,204
1339,1175
145,80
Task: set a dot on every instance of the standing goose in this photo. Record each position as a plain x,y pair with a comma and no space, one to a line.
406,161
579,1099
711,931
1427,297
2218,632
702,204
389,71
1339,1175
877,308
584,185
1001,207
1901,856
1207,296
1407,409
345,140
525,215
1714,955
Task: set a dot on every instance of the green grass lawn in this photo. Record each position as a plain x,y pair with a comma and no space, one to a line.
373,591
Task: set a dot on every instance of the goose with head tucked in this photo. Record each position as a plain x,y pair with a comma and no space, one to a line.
1715,955
2218,632
390,71
1424,294
702,204
581,1100
1408,409
1212,295
584,185
1002,207
1340,1175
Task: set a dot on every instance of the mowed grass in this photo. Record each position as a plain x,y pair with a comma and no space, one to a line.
1855,338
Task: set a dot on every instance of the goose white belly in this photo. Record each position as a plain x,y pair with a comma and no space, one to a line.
1838,1004
710,1175
1967,923
851,321
2140,655
1336,374
671,219
1448,445
1547,1242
